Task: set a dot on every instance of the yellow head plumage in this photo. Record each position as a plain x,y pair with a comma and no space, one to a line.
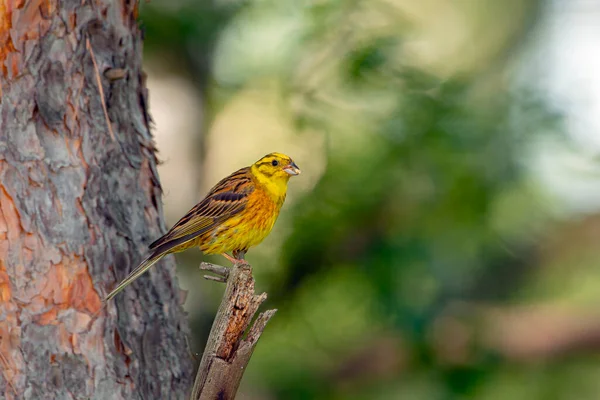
273,171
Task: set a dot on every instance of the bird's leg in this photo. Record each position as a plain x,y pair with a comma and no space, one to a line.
239,254
240,260
229,258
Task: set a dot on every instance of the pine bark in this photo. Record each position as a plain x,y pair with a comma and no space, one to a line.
79,201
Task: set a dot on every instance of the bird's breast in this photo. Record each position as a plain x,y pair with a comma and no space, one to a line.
261,213
246,229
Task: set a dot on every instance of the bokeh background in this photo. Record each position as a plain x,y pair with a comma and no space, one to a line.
443,241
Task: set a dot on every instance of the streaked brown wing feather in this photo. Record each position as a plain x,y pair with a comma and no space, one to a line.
226,199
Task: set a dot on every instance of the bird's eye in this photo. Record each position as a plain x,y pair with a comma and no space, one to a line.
274,163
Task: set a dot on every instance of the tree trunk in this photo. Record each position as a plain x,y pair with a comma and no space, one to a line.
79,201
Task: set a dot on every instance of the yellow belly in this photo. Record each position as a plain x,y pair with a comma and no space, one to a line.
244,230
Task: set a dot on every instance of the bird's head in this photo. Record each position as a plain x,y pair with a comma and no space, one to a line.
275,168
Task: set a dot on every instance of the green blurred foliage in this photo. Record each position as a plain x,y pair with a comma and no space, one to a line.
426,200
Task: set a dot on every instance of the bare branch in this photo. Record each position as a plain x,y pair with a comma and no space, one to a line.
227,354
216,269
215,278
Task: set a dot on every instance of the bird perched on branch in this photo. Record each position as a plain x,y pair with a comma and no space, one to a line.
238,213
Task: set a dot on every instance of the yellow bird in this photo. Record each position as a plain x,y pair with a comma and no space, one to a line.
238,213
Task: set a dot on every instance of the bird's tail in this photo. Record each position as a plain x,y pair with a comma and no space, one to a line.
136,273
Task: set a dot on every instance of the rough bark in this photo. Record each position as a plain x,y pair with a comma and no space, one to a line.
79,201
227,353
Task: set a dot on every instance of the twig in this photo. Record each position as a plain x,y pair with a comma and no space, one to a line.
216,269
227,354
215,278
99,83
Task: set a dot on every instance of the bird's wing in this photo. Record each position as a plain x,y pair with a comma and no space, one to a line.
228,198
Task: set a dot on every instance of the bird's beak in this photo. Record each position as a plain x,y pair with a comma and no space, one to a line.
292,169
